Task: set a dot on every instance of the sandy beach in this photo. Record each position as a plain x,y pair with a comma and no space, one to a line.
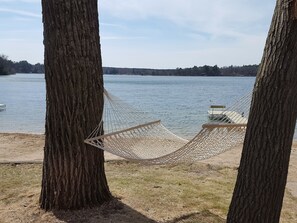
18,147
26,148
21,204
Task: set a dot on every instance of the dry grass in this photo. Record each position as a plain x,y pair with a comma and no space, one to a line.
180,189
172,194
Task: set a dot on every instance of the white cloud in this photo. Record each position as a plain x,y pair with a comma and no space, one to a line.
214,17
219,32
247,50
111,25
122,37
25,1
12,39
156,33
21,12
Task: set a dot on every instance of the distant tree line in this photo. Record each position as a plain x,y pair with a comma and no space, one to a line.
9,67
245,70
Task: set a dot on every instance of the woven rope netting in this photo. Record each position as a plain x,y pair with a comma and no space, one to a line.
133,135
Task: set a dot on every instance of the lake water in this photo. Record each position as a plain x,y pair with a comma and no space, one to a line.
180,102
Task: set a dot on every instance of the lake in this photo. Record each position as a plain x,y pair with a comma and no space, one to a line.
180,102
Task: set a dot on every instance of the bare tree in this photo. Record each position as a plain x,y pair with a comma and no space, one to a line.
73,173
262,175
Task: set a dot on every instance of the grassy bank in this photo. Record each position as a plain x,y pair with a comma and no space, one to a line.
183,193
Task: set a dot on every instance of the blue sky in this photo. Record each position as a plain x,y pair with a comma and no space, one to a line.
153,33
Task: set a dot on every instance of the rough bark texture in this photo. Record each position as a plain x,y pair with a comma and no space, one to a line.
73,173
262,175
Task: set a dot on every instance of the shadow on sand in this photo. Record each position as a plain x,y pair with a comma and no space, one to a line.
112,212
117,212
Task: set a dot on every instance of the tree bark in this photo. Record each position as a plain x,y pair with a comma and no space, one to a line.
262,174
73,173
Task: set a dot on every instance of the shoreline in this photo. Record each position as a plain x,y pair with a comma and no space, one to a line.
22,148
27,148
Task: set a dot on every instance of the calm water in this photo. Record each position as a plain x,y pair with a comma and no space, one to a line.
180,102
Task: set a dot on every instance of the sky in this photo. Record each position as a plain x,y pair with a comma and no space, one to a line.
153,33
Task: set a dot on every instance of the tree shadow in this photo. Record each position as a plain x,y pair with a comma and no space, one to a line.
111,212
116,211
202,217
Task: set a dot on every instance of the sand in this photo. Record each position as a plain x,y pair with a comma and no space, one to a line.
18,148
26,148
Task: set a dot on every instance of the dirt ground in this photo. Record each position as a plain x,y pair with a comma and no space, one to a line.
19,148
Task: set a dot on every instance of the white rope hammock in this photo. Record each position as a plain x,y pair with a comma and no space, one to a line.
131,134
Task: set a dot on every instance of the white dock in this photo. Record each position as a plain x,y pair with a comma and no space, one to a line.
2,107
217,113
235,117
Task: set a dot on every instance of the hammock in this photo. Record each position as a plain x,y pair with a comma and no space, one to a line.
133,135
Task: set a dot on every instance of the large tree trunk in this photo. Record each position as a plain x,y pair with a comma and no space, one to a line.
262,175
73,173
